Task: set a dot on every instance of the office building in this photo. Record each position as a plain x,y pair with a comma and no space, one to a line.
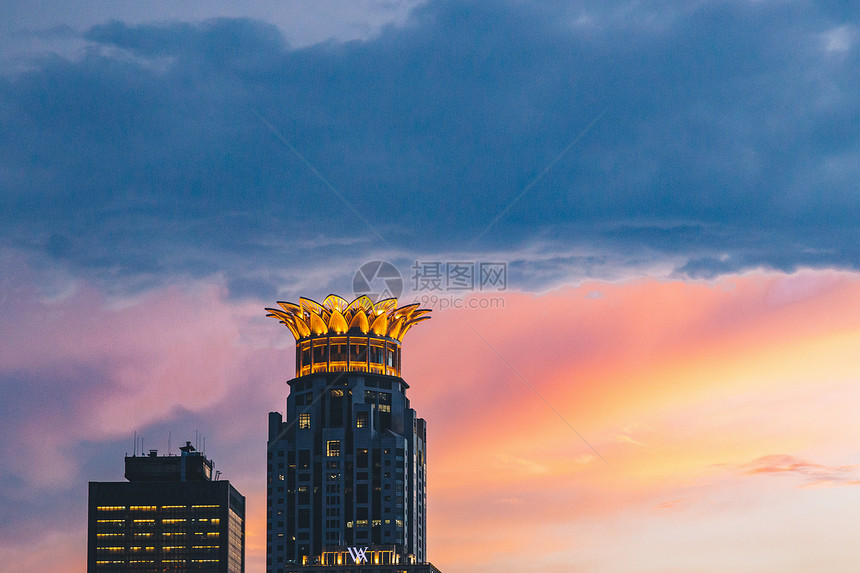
347,464
169,516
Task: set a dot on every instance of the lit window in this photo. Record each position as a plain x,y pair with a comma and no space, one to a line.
304,421
360,419
333,448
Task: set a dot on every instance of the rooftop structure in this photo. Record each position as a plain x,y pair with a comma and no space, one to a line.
337,336
169,516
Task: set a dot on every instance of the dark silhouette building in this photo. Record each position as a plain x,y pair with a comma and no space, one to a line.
169,516
347,465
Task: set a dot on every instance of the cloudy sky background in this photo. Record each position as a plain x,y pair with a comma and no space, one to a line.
675,188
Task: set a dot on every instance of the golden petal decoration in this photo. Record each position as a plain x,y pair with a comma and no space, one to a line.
333,302
361,303
360,321
419,313
384,306
290,307
293,330
311,306
302,327
380,325
285,319
366,304
337,323
317,324
405,311
394,329
279,314
336,316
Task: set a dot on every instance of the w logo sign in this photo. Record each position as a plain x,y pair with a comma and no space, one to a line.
358,554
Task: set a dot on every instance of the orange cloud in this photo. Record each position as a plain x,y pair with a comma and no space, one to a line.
671,383
559,424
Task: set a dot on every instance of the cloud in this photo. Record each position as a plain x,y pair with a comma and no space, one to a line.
83,368
812,473
708,375
717,148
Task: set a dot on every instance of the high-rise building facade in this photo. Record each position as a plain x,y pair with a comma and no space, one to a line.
347,465
169,516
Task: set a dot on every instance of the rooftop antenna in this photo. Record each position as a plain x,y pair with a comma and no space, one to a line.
134,450
168,442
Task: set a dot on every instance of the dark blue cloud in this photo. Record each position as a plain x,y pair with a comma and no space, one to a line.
725,141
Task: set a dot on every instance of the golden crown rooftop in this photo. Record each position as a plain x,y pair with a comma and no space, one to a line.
337,336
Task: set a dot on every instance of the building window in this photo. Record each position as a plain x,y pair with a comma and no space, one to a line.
333,448
305,421
360,419
358,352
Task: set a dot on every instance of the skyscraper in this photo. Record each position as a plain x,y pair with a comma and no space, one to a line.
169,516
347,465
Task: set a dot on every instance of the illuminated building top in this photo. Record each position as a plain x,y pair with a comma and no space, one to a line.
341,336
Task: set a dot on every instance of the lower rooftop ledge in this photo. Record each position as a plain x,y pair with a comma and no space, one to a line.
364,568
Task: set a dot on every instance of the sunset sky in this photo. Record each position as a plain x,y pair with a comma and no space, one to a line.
670,380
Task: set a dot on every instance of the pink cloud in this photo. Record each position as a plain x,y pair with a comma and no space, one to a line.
812,473
675,384
666,380
86,368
